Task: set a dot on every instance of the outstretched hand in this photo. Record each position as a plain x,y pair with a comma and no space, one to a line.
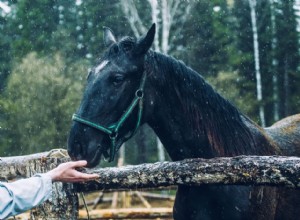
66,172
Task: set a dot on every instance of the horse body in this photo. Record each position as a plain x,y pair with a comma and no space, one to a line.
191,120
286,134
170,123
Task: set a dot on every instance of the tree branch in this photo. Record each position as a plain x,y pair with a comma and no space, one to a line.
133,17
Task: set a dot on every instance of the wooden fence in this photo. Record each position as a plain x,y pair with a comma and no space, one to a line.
242,170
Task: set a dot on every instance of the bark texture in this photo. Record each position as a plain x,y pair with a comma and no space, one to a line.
242,170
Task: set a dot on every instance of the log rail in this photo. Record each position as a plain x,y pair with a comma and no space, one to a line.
242,170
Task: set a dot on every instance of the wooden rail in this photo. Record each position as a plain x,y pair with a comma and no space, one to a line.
242,170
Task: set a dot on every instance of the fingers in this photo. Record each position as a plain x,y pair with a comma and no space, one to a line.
66,172
79,163
80,175
86,176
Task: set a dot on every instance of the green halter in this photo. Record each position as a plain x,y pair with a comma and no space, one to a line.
112,130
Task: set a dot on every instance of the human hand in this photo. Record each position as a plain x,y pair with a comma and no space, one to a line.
66,172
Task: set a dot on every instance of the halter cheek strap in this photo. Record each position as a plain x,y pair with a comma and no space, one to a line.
113,130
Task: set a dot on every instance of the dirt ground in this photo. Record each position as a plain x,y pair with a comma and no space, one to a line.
138,202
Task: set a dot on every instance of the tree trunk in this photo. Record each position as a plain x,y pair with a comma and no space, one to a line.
252,4
140,140
168,10
154,15
160,150
274,63
286,85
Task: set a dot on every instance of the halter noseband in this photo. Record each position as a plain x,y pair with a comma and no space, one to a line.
112,130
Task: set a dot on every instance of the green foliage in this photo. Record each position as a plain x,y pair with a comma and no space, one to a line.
34,24
41,95
44,89
288,56
5,51
243,102
93,16
207,37
285,55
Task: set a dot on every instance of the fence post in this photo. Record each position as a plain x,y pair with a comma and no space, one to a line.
62,205
64,201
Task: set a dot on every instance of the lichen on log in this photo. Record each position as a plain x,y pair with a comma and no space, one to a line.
241,170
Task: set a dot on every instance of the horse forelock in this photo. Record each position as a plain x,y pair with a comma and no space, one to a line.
207,112
125,45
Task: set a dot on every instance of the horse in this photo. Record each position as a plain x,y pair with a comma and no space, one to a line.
131,85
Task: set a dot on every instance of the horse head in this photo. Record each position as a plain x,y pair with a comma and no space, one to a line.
112,105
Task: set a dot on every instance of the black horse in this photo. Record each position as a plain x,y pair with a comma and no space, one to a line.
132,85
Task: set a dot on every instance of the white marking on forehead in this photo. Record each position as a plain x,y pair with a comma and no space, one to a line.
101,66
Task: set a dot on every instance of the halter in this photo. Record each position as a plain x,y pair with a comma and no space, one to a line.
112,130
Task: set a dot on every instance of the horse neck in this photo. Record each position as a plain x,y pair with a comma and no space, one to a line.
192,120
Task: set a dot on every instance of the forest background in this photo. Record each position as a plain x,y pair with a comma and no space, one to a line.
247,49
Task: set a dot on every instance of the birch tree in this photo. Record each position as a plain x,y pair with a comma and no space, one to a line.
163,14
287,55
252,4
274,63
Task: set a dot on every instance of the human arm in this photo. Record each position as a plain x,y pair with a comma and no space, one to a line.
22,195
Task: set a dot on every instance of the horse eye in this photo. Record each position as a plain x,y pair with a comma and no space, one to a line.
117,79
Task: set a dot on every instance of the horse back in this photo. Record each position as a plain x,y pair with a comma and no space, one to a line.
286,134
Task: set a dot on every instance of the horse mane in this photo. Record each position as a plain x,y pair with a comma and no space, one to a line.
207,111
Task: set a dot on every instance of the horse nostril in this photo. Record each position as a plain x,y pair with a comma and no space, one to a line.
75,150
79,151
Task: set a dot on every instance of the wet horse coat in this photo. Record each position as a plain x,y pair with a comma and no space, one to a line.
190,118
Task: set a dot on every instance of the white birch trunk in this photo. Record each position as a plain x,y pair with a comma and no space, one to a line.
162,12
274,63
286,84
155,19
165,26
160,151
252,4
133,17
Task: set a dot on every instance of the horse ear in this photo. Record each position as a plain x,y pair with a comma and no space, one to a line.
108,37
145,42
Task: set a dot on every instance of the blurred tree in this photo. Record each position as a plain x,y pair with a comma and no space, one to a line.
34,25
214,37
288,57
208,39
278,55
244,61
259,95
92,16
41,95
221,81
167,15
5,48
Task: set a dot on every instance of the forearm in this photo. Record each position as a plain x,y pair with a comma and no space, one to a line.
24,194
